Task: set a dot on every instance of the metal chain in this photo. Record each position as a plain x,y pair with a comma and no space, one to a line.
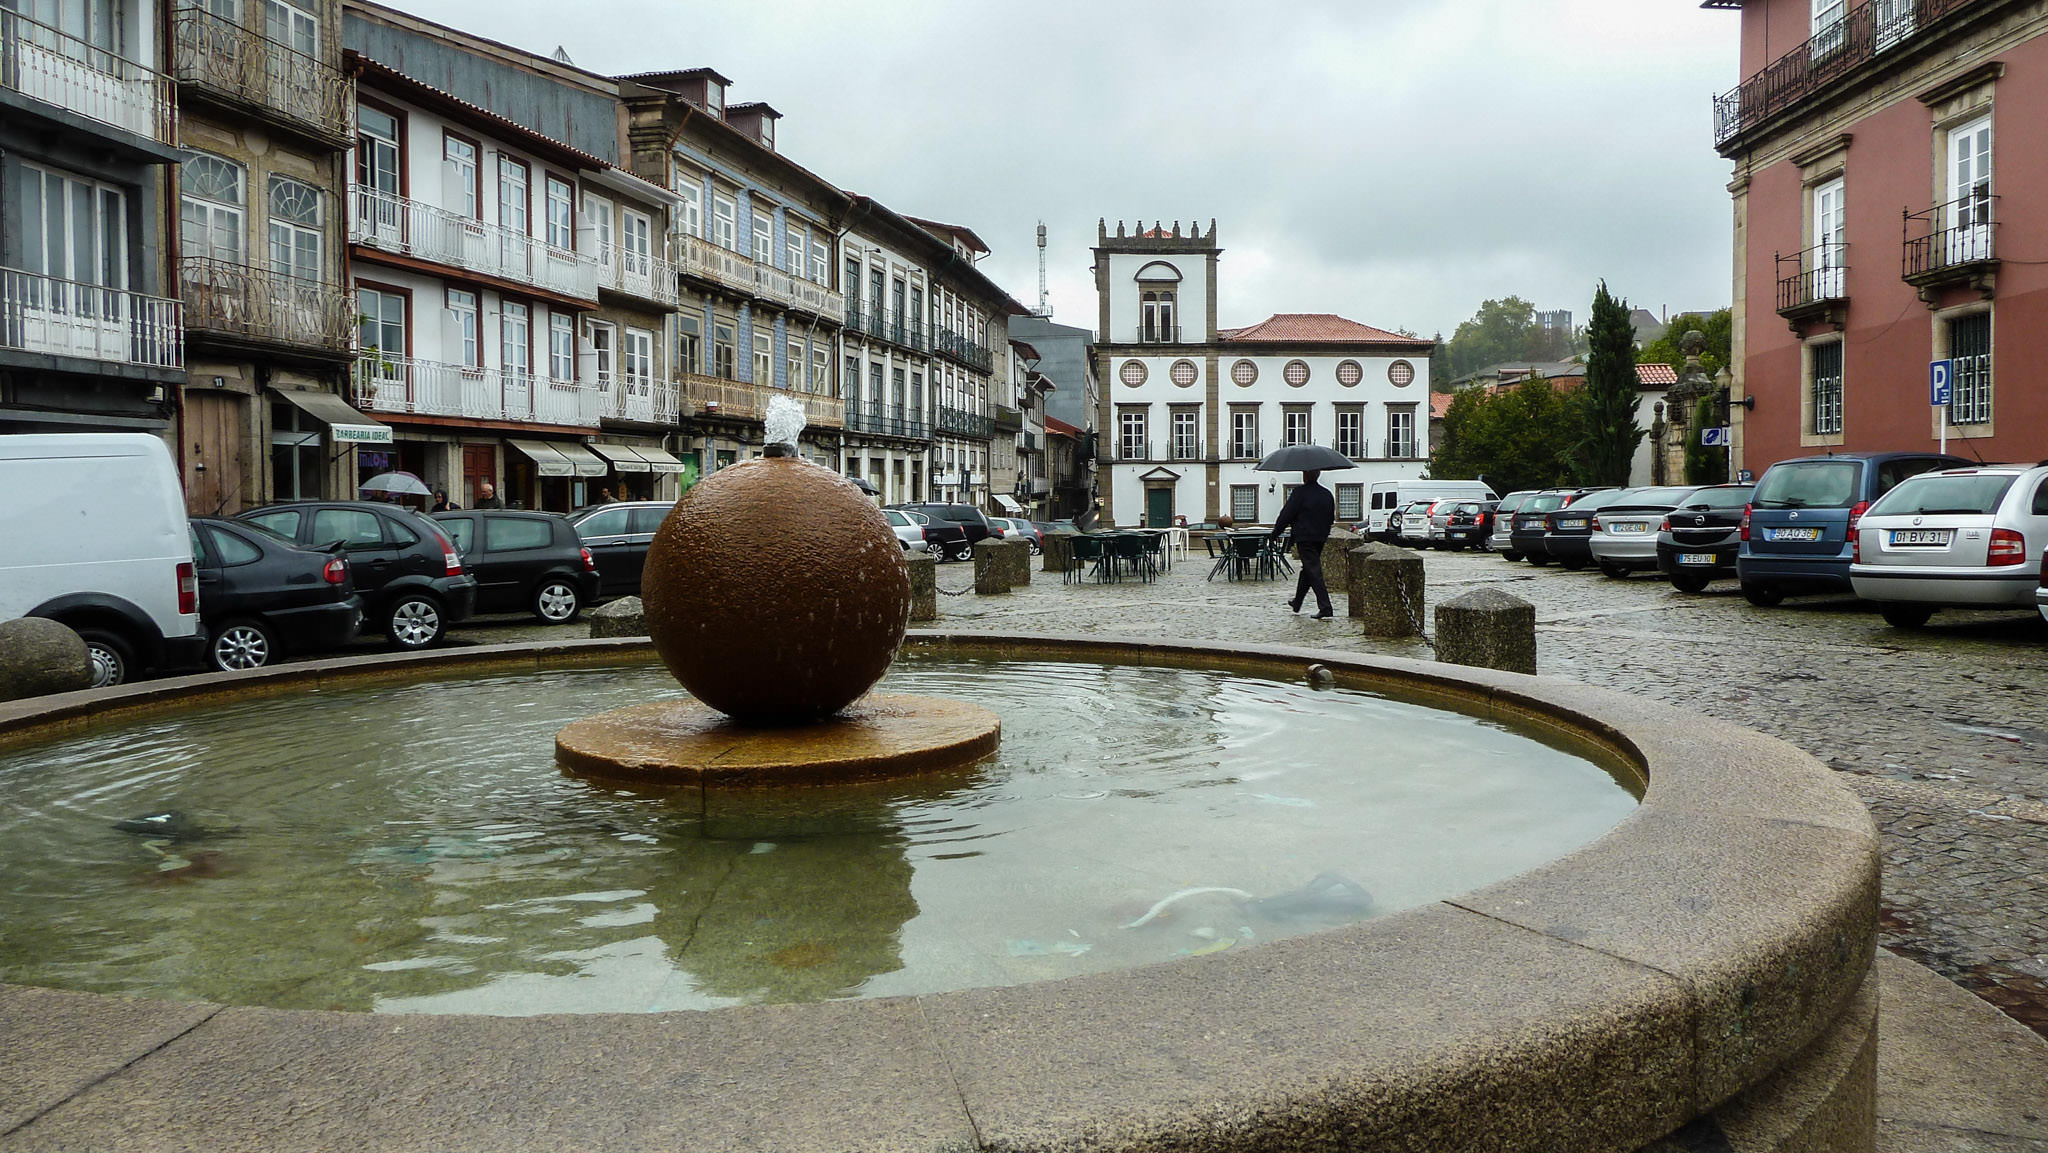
1413,611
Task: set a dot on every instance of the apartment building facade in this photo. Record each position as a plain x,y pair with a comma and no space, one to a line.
92,336
1883,155
1189,409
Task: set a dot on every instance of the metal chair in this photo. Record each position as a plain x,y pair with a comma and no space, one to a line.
1248,556
1089,558
1132,550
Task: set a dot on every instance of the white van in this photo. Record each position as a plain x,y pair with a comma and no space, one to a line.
96,538
1388,495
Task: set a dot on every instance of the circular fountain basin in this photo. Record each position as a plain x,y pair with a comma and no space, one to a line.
1700,963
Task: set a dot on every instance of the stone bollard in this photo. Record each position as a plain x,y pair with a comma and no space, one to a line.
1348,572
1489,629
1389,593
924,586
991,567
1017,555
40,656
621,618
1059,554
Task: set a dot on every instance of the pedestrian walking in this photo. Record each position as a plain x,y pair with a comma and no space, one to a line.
1310,511
487,496
441,502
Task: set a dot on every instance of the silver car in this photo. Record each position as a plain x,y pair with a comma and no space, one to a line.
1956,538
1504,524
1625,531
1411,524
909,528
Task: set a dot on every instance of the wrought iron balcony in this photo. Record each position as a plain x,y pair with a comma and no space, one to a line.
1187,449
223,59
887,420
640,399
719,265
399,384
65,318
637,274
1952,245
1817,287
963,348
1134,449
1159,334
254,305
1866,31
885,324
405,227
1008,419
960,422
1246,448
59,69
807,296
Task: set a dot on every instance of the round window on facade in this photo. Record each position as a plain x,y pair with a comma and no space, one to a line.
1244,373
1349,373
1296,373
1401,374
1184,373
1132,373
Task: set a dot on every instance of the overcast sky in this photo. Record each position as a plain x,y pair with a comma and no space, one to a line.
1393,161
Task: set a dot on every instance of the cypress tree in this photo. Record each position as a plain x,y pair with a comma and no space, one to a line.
1608,444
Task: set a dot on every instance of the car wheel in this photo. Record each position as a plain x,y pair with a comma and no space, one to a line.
112,657
1511,557
241,645
1762,596
961,550
414,621
556,602
1538,561
1689,582
1036,548
1614,572
1905,616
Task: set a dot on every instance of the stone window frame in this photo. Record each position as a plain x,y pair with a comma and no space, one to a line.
1288,415
1351,369
1296,373
1193,373
1237,442
1810,434
1355,410
1175,422
1125,422
1943,349
1133,373
1244,372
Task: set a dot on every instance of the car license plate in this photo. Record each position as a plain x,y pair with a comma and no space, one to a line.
1695,558
1937,536
1525,525
1629,528
1791,534
1579,523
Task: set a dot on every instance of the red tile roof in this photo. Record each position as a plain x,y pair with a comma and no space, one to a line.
1656,374
1054,424
1439,404
1318,328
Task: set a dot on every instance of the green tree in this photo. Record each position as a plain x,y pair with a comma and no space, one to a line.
1516,438
1502,330
1704,464
1606,446
1717,327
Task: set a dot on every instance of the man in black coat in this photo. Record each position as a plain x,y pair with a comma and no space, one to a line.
1310,510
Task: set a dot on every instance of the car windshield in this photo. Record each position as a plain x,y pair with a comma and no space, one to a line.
900,520
1511,501
1719,497
1979,493
1664,497
1543,502
1809,484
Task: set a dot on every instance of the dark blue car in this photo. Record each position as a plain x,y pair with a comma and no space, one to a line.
1796,531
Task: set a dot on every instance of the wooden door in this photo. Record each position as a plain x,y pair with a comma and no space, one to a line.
479,464
215,456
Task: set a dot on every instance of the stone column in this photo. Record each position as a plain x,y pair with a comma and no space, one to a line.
1389,595
1350,572
991,568
924,586
1489,629
1017,562
1059,554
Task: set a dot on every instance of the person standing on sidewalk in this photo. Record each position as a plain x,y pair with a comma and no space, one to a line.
1311,510
487,496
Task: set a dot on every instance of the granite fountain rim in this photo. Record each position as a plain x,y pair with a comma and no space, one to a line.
1715,938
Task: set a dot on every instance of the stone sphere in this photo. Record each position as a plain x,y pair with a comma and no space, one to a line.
776,592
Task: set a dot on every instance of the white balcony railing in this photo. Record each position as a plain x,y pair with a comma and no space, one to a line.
429,388
65,318
405,227
721,265
645,399
716,396
700,257
819,299
637,274
39,61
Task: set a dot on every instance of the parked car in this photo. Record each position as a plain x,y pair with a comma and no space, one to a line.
618,535
1532,522
1410,523
1502,539
2041,594
1568,531
909,533
1697,541
1956,538
1461,524
964,515
261,596
1389,496
97,539
1024,530
942,538
406,568
1048,528
1796,532
524,562
1624,536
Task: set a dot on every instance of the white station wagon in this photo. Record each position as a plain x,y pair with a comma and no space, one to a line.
1957,538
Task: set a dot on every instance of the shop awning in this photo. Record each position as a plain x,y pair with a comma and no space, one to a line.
546,461
658,459
345,425
579,456
1009,504
623,457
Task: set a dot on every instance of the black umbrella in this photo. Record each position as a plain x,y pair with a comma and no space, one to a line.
864,486
1305,458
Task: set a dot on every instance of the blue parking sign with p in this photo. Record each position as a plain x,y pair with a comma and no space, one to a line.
1939,373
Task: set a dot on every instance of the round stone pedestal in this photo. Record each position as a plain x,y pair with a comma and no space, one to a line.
689,743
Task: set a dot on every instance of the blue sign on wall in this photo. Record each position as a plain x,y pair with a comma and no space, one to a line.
1714,437
1939,373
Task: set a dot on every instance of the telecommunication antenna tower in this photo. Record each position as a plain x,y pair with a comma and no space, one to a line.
1044,305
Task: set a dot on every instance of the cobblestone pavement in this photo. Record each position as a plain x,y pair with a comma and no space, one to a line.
1943,732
